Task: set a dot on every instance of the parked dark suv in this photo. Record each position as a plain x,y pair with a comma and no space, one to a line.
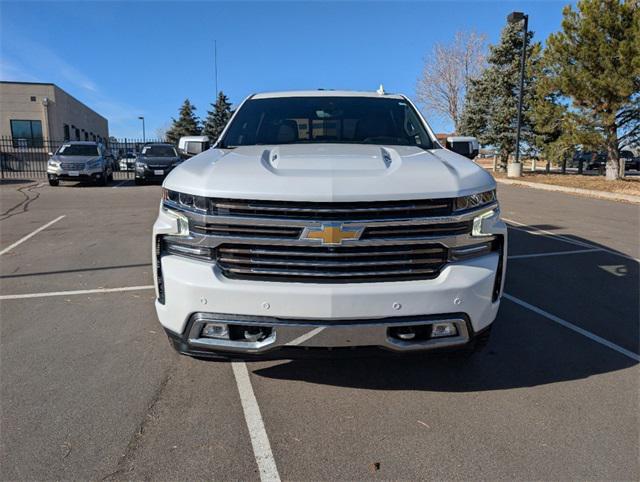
155,161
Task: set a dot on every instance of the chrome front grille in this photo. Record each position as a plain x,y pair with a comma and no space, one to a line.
72,166
285,232
404,231
293,242
331,264
349,211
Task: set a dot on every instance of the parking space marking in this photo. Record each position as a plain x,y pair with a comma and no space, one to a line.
30,235
553,253
76,292
571,326
120,184
544,232
255,425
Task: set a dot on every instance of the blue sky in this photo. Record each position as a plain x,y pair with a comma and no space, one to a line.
144,58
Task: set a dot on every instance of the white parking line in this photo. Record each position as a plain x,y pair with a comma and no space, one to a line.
305,337
76,292
544,232
30,235
120,184
571,326
257,432
553,253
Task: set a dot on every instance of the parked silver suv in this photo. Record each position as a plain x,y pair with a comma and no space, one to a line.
80,161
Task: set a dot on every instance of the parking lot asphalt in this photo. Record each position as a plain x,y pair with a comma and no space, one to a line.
91,389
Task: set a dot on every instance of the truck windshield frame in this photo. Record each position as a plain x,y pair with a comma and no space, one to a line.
327,120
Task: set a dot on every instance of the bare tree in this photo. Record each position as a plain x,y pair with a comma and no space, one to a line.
446,74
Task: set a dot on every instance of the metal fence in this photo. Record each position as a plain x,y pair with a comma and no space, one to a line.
27,158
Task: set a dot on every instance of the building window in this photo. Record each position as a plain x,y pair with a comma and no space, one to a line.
86,136
33,98
26,133
67,134
77,134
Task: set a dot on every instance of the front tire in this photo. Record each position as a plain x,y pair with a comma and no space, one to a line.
53,182
104,179
139,182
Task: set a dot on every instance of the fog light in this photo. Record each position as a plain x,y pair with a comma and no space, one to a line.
215,330
440,330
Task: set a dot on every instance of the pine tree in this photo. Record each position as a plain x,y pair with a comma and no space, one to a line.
491,106
187,123
217,119
595,61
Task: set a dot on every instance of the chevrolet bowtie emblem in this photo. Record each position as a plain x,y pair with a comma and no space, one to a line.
332,234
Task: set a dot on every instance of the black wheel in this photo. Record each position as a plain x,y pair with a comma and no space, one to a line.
53,182
139,182
111,177
104,179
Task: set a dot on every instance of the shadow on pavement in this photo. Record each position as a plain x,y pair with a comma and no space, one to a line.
526,349
8,182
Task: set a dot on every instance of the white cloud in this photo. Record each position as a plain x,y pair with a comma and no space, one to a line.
28,61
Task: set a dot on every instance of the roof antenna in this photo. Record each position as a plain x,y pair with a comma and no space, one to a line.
380,90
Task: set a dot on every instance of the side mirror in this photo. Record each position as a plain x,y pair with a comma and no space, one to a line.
467,147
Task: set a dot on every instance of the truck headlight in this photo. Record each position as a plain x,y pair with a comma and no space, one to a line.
52,163
474,200
185,200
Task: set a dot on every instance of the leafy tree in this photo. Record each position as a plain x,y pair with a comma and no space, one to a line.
558,130
491,107
217,119
595,62
187,123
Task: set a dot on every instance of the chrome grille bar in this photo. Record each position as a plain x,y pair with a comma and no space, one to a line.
343,264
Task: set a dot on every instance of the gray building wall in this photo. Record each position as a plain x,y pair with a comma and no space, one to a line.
26,101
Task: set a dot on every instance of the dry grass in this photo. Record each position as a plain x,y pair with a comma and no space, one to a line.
629,185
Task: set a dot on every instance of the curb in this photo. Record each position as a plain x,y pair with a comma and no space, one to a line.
611,196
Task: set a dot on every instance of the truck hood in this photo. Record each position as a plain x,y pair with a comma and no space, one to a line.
329,172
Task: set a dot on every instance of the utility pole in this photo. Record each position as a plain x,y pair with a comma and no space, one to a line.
515,17
144,136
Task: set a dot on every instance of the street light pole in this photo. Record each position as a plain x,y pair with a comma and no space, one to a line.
515,17
144,136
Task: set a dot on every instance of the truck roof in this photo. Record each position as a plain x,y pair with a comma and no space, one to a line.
324,93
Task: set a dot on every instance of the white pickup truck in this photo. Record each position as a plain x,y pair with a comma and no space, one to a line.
327,220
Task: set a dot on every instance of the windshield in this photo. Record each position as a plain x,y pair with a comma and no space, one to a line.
78,150
353,120
159,151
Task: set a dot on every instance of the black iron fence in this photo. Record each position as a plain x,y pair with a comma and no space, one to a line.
27,159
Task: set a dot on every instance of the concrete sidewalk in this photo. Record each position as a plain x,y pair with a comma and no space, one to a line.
612,196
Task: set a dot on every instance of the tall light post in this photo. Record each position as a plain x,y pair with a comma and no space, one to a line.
515,169
144,136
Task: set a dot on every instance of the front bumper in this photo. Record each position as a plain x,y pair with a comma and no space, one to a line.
295,338
148,173
349,315
60,174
